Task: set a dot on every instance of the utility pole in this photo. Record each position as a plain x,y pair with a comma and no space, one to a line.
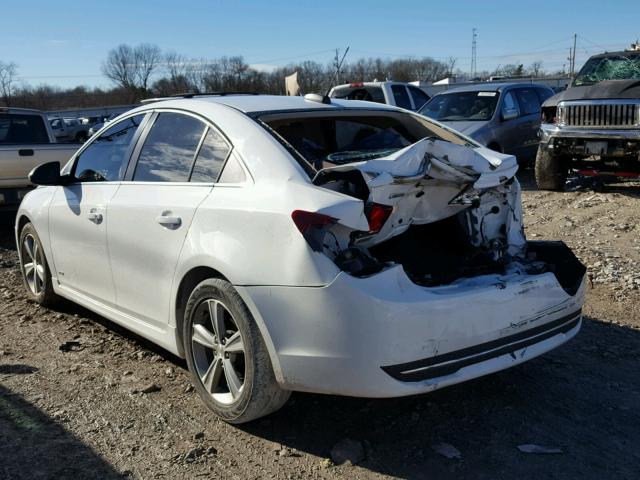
473,71
573,57
336,65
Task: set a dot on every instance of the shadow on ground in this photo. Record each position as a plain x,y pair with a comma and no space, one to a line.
34,446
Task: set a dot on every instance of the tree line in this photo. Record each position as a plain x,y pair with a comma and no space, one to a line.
144,71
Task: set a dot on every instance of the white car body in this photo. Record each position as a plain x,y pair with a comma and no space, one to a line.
326,330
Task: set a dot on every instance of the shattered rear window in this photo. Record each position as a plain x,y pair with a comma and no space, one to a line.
327,140
618,67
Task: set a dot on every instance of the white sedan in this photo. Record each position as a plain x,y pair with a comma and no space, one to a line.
308,244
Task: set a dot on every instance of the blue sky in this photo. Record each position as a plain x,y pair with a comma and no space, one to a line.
64,43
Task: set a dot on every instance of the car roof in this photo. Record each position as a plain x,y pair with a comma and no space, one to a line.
253,104
624,53
491,87
24,111
368,84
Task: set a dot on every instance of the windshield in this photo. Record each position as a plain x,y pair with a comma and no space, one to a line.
462,106
615,67
326,140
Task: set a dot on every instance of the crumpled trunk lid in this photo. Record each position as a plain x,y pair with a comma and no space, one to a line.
433,179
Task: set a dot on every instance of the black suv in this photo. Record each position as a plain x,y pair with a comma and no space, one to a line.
593,127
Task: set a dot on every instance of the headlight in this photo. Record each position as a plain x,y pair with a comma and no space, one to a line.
549,115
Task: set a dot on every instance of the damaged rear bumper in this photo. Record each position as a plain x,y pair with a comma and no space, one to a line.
452,362
384,336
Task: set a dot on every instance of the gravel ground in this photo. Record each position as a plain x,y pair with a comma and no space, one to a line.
82,398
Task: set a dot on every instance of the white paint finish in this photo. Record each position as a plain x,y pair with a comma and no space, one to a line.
144,252
78,242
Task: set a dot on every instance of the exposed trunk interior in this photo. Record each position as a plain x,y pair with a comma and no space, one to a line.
436,253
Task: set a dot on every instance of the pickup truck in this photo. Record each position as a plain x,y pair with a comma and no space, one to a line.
397,94
593,127
26,141
69,130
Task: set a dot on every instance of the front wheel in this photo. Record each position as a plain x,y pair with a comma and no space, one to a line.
551,170
34,268
226,355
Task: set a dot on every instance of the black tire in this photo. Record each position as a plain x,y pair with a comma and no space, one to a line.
260,393
81,137
551,171
43,293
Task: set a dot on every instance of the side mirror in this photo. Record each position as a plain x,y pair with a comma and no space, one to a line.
47,174
509,115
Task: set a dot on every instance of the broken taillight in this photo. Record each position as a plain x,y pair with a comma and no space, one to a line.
307,220
377,215
311,226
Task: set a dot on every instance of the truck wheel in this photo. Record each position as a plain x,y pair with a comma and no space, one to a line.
551,171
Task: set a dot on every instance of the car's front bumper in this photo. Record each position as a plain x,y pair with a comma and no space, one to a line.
549,131
384,336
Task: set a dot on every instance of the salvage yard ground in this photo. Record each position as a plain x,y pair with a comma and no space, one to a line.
83,398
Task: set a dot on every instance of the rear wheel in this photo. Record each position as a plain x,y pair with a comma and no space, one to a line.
35,269
226,355
551,170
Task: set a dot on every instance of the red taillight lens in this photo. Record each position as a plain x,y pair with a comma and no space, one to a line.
306,220
377,215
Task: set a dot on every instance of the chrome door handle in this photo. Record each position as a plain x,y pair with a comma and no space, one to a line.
95,217
170,221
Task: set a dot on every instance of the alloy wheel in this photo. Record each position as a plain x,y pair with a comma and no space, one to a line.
33,264
218,351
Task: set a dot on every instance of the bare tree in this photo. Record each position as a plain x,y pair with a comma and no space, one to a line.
119,66
8,72
131,68
451,64
147,58
536,68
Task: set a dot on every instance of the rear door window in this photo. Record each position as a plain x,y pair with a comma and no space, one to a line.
419,97
25,129
544,94
401,96
170,148
528,100
106,158
211,157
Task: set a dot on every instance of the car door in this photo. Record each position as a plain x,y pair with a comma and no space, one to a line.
508,131
77,215
177,163
529,102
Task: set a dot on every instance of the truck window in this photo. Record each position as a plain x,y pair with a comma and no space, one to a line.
22,129
419,97
365,93
401,96
612,67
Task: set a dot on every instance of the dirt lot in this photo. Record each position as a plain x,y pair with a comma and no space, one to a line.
73,401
